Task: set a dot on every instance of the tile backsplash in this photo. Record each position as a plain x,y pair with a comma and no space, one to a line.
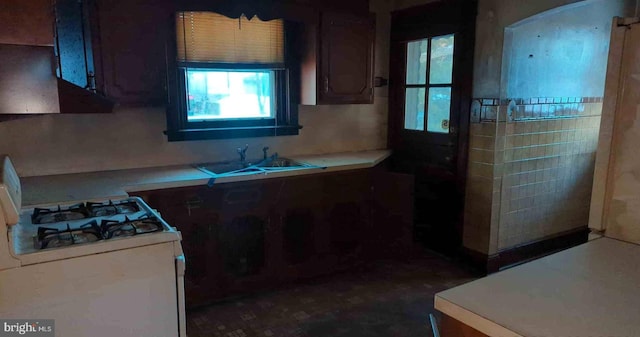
530,169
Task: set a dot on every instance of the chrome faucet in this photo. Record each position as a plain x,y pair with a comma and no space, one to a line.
264,152
243,154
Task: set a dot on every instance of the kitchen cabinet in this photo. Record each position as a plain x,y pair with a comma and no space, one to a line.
184,209
303,248
27,81
114,47
27,84
27,22
391,232
244,237
226,236
347,215
35,53
337,62
129,50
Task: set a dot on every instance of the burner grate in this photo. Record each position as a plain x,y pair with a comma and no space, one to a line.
52,237
59,214
82,211
145,224
97,209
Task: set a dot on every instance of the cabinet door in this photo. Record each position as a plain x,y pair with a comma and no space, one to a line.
244,237
300,214
346,199
346,53
391,233
131,67
186,210
27,22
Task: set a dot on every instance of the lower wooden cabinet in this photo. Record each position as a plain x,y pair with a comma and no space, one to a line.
250,236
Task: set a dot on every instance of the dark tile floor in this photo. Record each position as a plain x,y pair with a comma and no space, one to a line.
385,298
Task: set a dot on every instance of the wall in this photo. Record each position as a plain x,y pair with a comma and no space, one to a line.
531,163
562,53
130,138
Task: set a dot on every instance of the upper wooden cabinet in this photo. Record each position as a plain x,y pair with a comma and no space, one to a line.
337,65
346,52
26,22
129,47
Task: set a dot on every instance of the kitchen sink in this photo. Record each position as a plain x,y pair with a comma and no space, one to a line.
273,164
281,163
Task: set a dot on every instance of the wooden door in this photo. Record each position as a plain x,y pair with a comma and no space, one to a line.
346,53
430,94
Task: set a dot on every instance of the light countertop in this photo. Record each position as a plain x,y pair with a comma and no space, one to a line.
589,290
55,189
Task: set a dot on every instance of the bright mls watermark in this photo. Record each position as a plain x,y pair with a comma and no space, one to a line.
27,327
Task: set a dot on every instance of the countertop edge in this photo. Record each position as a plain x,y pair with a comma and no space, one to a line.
471,319
224,179
80,187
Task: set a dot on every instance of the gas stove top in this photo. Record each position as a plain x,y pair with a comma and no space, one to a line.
44,228
83,211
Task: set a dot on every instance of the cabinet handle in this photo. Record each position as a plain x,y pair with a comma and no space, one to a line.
192,204
326,84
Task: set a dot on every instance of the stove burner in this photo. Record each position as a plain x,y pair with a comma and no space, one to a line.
106,209
144,224
51,237
51,215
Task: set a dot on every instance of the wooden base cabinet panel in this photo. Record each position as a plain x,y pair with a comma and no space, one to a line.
244,237
184,209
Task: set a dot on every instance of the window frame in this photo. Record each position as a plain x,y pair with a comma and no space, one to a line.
428,85
286,87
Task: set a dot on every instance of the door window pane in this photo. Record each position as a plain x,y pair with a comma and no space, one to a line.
439,110
417,61
219,94
441,70
414,109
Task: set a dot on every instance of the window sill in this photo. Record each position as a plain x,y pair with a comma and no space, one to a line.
240,132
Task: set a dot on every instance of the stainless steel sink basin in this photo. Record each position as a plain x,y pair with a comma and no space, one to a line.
281,163
225,168
266,165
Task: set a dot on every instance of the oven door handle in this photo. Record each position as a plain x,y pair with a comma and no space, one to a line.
182,319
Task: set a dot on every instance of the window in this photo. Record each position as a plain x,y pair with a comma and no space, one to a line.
233,78
428,84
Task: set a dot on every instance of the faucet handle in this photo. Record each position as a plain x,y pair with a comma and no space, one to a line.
264,152
243,152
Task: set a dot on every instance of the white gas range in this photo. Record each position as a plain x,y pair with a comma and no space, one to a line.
100,268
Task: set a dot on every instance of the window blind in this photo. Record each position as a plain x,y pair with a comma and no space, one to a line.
212,37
